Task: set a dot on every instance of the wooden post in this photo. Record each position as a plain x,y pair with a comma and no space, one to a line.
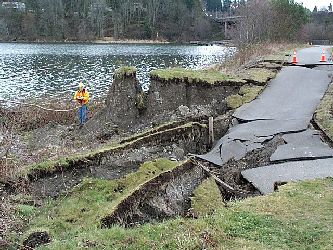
211,131
225,28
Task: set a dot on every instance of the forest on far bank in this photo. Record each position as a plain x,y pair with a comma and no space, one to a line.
164,20
88,20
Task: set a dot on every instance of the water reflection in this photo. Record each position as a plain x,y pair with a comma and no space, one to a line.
54,70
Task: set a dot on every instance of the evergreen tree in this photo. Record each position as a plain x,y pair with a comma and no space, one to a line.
284,12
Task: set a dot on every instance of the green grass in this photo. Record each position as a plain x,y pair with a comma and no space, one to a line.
247,93
124,71
209,76
86,204
324,111
299,216
260,75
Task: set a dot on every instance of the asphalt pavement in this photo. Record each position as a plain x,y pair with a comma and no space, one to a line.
313,56
285,107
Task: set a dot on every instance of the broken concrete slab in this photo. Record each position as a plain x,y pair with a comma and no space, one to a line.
245,137
285,106
295,92
263,178
256,130
232,148
302,145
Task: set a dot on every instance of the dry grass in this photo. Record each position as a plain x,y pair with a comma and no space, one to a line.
17,123
254,52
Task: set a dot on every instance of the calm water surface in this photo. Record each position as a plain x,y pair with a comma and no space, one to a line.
36,71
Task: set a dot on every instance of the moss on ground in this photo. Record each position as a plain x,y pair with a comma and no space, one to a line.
209,75
324,112
260,75
124,71
299,216
83,207
247,93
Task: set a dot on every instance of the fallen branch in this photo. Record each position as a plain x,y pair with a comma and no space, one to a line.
221,183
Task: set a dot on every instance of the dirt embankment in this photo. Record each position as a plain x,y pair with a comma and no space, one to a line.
166,196
130,109
183,108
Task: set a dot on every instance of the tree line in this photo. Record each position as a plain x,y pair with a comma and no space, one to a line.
170,20
270,20
274,20
320,27
85,20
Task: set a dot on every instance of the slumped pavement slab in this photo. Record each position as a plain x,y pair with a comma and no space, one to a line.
264,178
300,146
285,107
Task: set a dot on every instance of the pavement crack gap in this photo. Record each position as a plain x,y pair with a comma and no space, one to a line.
241,121
302,159
308,66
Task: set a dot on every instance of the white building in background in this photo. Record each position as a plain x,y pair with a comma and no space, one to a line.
14,5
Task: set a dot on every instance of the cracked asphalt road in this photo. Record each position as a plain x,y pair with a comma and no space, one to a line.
285,107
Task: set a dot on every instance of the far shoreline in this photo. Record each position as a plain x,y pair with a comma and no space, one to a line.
99,41
124,41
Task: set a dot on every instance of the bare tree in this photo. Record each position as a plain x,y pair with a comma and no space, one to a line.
255,24
3,28
97,17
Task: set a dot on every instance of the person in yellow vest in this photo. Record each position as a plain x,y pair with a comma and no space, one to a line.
81,96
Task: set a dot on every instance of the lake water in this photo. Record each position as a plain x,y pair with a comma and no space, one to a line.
36,71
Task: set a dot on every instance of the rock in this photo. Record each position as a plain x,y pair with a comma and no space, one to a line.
36,239
184,110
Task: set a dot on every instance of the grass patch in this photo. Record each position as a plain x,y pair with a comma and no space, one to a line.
324,111
259,75
124,71
299,216
85,205
206,198
209,75
247,93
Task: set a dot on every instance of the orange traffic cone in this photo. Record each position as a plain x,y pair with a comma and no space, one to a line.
323,59
294,60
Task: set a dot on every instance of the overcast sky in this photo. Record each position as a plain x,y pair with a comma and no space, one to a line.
310,4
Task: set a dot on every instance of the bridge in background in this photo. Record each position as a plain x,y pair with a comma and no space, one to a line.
227,22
